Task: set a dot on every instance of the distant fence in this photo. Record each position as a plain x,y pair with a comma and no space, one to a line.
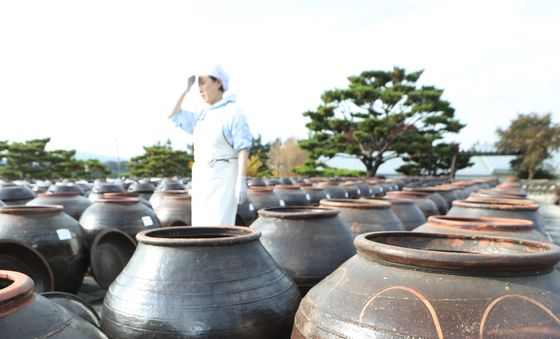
541,190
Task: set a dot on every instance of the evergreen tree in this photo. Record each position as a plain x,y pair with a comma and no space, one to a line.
161,161
376,118
534,137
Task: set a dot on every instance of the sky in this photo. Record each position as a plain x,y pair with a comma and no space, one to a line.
101,76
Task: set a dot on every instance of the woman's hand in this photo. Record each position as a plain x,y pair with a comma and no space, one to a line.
190,82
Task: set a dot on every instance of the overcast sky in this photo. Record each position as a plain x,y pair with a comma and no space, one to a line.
97,74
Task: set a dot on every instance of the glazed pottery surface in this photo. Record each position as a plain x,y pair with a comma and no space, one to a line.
365,215
307,242
54,234
422,285
207,282
24,314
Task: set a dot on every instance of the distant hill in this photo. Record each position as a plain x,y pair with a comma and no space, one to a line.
102,158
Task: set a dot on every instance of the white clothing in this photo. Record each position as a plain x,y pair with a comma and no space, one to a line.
214,173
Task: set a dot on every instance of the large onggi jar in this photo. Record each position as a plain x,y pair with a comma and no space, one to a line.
425,285
203,282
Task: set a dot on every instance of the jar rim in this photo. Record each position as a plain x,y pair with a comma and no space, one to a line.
16,295
31,210
458,254
497,204
198,236
355,203
298,212
481,223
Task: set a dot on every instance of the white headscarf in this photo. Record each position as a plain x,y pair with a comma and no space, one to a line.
217,72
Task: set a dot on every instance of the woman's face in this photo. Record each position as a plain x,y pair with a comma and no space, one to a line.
210,89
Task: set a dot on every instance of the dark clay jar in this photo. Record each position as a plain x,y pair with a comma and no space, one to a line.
264,197
156,198
448,193
316,194
354,192
406,211
425,204
365,215
334,190
127,195
434,196
493,227
307,242
66,188
174,210
72,203
292,195
54,234
16,194
24,314
498,208
424,285
125,214
203,282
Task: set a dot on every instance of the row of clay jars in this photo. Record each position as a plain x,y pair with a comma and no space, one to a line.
428,285
58,237
25,314
211,282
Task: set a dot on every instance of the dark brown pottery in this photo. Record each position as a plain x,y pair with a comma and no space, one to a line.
448,193
12,194
204,282
354,192
246,213
307,242
433,195
66,188
426,205
75,305
334,190
127,195
72,203
264,197
376,189
292,195
20,257
110,252
143,187
316,194
498,208
421,285
170,185
406,211
24,314
125,214
365,189
365,215
493,227
174,210
158,196
54,234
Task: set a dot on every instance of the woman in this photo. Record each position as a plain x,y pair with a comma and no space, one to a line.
221,140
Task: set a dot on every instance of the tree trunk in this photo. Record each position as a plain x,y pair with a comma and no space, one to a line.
530,173
376,165
369,167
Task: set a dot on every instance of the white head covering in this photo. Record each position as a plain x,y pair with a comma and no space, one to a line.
217,72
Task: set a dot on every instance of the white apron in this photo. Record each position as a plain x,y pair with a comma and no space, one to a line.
214,173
